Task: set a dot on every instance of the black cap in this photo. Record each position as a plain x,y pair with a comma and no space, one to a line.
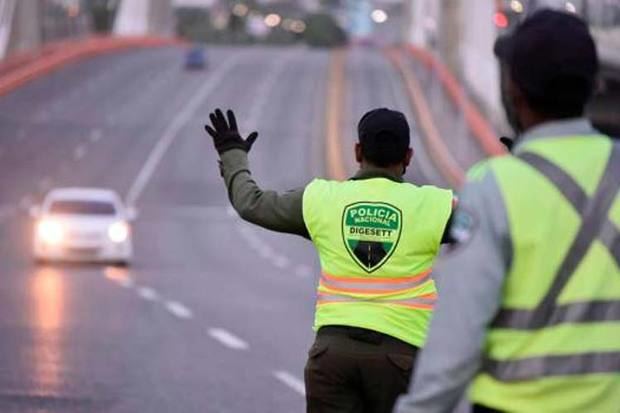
383,121
551,54
384,136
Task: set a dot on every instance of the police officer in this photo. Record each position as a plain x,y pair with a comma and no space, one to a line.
529,314
377,238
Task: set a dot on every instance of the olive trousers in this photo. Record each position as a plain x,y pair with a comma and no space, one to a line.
354,370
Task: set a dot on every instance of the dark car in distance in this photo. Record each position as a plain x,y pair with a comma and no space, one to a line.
196,58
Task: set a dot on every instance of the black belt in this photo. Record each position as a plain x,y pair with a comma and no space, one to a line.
360,334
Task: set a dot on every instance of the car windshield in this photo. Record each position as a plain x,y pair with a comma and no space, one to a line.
73,207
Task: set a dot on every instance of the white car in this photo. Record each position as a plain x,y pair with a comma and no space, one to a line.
83,224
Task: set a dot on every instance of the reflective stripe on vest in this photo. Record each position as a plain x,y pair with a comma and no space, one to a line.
371,285
595,225
422,302
371,278
545,366
377,290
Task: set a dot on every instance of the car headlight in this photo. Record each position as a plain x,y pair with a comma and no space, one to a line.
118,232
50,232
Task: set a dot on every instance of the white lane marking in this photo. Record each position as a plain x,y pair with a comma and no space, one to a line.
261,95
281,261
266,252
290,381
125,282
262,248
178,310
250,236
256,244
228,339
303,271
79,152
173,129
148,294
95,135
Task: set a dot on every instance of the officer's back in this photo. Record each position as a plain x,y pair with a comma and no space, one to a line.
377,238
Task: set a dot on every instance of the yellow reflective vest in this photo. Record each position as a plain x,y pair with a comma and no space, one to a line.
554,346
377,240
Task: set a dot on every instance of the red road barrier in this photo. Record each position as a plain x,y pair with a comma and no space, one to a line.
18,70
478,125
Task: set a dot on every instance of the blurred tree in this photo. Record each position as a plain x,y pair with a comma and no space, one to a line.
323,30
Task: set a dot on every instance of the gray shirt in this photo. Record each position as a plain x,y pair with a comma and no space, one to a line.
470,281
280,212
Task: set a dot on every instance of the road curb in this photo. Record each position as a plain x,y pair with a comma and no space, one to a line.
25,68
478,125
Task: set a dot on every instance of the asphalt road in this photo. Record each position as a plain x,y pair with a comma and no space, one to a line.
214,315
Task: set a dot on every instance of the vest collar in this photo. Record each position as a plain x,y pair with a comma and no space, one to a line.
370,173
556,129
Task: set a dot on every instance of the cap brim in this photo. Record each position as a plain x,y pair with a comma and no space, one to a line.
504,48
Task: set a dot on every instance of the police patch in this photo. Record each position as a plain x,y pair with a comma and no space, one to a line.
371,231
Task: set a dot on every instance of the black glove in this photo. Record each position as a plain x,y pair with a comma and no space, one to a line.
225,134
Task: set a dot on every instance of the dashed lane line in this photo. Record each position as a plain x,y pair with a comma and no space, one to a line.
148,294
179,310
281,261
261,96
228,339
290,381
125,282
173,129
266,252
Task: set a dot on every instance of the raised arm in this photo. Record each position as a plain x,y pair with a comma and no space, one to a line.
268,209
